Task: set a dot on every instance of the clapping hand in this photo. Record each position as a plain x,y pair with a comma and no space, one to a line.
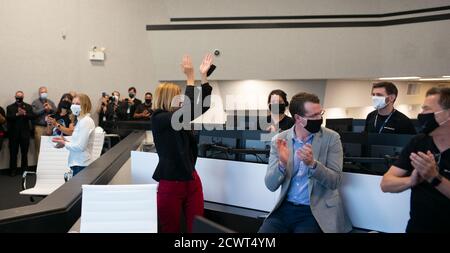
425,165
283,151
306,154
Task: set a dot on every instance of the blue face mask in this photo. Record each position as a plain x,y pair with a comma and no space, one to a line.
44,96
76,109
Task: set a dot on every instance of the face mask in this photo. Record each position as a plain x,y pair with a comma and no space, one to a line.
76,109
65,105
313,125
379,102
132,95
277,108
19,100
428,122
148,101
44,95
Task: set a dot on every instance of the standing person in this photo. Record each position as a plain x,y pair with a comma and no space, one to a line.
42,107
144,111
2,126
278,119
114,110
101,110
60,123
424,167
179,188
79,155
306,162
385,118
19,116
131,103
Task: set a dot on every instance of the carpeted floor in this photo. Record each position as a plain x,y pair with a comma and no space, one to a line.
10,188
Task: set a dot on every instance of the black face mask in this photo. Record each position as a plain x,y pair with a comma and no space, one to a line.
313,125
148,101
19,100
277,108
64,105
132,95
427,122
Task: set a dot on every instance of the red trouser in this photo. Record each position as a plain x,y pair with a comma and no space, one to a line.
174,196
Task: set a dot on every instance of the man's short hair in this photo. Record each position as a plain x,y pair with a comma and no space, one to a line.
390,88
297,104
132,89
149,93
444,96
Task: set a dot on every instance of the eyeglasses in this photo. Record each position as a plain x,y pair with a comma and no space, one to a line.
321,113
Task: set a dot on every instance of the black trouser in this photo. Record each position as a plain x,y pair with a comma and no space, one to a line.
14,143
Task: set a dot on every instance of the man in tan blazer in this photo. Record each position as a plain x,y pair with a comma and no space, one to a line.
306,161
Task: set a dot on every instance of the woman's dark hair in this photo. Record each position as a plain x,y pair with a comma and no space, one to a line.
281,94
66,95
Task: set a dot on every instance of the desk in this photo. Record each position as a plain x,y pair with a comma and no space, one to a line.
241,184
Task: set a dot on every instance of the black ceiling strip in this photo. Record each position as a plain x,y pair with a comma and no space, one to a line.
299,25
343,16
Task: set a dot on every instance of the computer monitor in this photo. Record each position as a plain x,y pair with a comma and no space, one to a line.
359,125
354,144
203,225
340,125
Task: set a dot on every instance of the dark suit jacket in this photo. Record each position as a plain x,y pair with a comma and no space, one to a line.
177,149
19,126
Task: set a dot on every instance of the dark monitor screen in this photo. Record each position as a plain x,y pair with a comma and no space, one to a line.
354,144
340,125
358,125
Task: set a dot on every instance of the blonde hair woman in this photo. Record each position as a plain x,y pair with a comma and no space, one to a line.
79,156
180,188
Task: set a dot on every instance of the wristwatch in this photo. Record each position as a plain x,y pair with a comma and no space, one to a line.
436,180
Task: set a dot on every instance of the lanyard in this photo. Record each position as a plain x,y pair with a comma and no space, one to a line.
384,124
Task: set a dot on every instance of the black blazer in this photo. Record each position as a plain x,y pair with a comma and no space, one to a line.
177,150
19,126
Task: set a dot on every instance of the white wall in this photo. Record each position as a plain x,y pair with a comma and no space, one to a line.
352,98
33,52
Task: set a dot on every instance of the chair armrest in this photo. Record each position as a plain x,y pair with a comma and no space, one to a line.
24,178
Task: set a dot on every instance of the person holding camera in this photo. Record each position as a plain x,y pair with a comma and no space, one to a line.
114,110
79,155
144,111
18,117
42,107
60,123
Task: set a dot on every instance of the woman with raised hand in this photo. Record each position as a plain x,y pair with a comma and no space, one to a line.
180,188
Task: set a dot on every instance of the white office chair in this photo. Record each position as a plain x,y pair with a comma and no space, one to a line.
119,209
95,145
51,166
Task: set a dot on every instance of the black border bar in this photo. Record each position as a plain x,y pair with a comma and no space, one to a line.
342,16
402,21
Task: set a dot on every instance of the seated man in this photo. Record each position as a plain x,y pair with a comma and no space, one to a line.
306,161
424,167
